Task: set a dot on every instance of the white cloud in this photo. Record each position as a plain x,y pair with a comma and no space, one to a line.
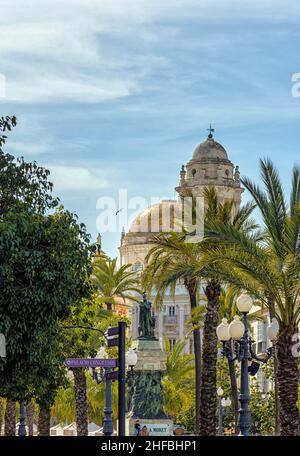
76,178
99,50
19,148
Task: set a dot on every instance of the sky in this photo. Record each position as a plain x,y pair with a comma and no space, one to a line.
117,94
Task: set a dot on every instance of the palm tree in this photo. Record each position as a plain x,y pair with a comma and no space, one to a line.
171,260
44,421
112,283
10,418
178,379
267,266
30,410
226,214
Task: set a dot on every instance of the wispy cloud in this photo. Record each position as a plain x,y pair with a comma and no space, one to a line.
76,178
67,50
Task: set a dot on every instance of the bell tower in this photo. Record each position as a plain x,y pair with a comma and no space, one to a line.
210,166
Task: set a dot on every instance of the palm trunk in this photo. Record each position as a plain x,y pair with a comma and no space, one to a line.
287,377
271,306
192,289
10,418
44,422
208,401
276,393
30,417
81,402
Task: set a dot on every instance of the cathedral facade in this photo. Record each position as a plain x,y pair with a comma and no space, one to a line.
209,166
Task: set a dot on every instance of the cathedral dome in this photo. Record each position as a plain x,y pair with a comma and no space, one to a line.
209,149
156,218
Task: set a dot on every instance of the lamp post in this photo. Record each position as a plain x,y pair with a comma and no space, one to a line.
243,353
101,377
224,404
220,427
22,420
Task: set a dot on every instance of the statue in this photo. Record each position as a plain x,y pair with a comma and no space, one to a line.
146,321
237,174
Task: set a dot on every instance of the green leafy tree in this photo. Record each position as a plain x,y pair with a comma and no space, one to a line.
262,410
44,269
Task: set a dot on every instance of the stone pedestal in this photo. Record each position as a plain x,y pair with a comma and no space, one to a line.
146,396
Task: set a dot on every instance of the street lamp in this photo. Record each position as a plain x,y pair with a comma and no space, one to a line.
238,331
22,420
101,377
224,405
131,359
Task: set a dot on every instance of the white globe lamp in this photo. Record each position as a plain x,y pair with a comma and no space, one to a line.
236,328
244,303
223,331
220,392
131,358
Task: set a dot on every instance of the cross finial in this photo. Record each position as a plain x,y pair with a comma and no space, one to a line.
211,131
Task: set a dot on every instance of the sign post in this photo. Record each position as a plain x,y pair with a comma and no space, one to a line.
115,337
91,362
122,378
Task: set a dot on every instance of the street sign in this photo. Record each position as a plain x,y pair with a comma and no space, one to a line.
113,342
114,375
91,362
113,331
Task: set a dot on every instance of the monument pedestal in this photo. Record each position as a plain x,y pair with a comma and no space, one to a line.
146,398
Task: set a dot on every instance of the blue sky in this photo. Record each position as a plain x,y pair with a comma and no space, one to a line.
116,94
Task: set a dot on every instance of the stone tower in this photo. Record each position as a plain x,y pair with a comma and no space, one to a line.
210,166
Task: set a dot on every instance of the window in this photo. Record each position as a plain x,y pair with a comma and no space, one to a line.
193,172
261,337
137,267
172,342
172,311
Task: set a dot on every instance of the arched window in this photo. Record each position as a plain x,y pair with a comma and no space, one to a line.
193,172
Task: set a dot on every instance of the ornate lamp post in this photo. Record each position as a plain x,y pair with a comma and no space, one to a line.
224,404
100,377
103,377
243,353
22,420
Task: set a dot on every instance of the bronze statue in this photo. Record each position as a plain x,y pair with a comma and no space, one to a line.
146,321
